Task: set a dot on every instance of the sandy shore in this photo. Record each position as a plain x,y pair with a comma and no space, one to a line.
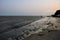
52,31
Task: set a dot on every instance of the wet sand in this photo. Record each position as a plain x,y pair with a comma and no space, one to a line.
53,35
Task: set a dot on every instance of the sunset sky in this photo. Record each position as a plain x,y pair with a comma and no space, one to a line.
29,7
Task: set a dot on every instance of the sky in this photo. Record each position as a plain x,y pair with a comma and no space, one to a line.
29,7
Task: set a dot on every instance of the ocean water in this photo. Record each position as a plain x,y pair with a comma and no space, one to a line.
11,22
8,25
